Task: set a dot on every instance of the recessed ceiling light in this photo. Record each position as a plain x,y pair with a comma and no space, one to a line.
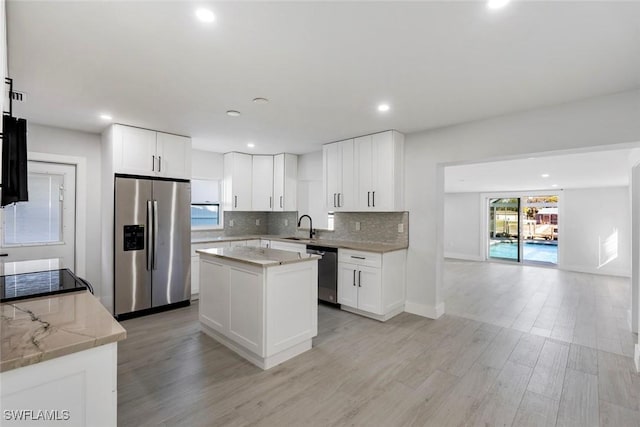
251,145
554,185
233,113
383,107
106,117
205,15
497,4
261,100
545,175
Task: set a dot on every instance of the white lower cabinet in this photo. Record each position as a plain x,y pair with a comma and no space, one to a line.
266,314
195,265
372,284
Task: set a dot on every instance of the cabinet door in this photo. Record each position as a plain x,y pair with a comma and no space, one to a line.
369,282
174,156
383,157
135,151
348,284
262,187
290,193
285,180
364,159
348,169
237,182
332,175
214,295
195,275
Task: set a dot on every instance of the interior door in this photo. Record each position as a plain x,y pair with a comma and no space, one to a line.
40,234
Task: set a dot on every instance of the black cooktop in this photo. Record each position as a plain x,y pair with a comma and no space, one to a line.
43,283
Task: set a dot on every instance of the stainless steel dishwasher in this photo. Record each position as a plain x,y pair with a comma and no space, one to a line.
327,272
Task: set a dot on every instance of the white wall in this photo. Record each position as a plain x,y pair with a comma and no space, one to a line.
52,140
310,192
207,165
462,226
589,217
594,122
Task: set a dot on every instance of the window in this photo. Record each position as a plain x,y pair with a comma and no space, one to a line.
204,215
40,219
205,204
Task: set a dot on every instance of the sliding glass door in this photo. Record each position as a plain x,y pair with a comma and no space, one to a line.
524,229
504,229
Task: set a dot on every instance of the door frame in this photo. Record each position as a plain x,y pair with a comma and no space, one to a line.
484,213
80,216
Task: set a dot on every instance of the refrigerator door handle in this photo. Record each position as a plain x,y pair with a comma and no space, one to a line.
155,233
149,235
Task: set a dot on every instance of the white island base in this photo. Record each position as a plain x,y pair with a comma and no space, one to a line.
260,303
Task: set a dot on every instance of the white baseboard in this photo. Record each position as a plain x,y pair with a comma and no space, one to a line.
636,357
424,310
464,257
608,272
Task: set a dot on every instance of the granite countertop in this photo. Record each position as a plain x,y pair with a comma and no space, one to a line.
39,329
264,257
340,244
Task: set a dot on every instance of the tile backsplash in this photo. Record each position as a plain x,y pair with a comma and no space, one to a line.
381,227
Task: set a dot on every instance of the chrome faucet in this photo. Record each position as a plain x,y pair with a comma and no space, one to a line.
311,230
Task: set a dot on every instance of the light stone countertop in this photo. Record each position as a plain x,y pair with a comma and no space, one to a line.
39,329
264,257
376,247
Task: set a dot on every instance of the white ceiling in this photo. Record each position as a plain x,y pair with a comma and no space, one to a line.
582,170
324,65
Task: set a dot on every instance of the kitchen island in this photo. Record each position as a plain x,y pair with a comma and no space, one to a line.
58,361
259,302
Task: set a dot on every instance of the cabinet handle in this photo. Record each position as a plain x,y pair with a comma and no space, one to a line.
334,200
357,257
369,198
153,163
339,204
280,201
373,198
354,277
235,205
359,279
160,164
3,255
270,202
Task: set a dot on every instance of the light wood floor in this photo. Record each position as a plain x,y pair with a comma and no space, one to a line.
408,371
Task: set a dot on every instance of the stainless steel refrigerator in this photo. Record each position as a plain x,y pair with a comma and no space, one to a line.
152,244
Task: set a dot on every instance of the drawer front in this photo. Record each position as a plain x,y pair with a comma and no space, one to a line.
369,259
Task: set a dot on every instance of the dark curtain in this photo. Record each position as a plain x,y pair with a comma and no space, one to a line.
14,161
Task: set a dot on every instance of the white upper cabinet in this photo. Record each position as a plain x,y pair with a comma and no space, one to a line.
379,162
174,155
365,173
237,182
285,182
262,188
339,173
149,153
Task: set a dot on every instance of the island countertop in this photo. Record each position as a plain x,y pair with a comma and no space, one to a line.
39,329
258,256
